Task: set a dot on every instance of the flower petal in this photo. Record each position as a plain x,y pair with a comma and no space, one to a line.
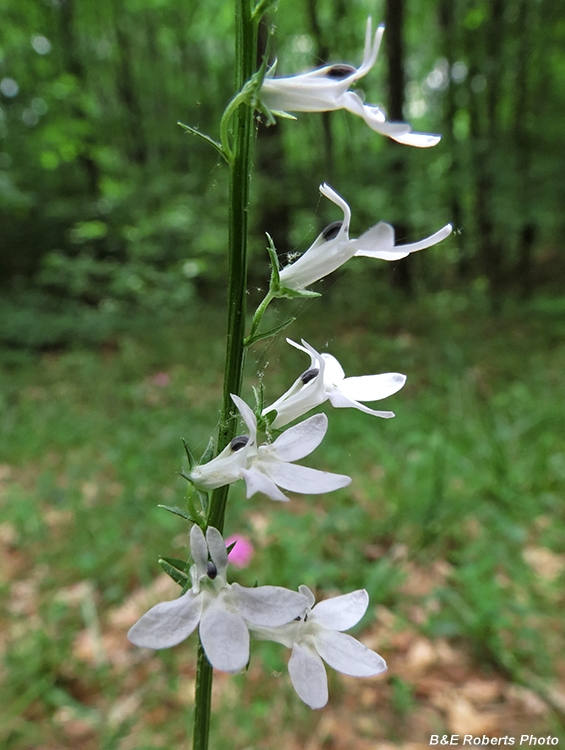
308,594
198,549
258,482
420,140
372,387
433,239
341,612
247,415
218,551
347,655
339,401
333,371
371,50
269,606
377,242
168,623
308,676
303,479
302,439
330,193
225,638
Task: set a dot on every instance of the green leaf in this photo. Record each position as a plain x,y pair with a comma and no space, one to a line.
262,7
275,266
259,393
189,454
178,577
270,332
211,141
208,454
176,562
285,293
203,497
177,512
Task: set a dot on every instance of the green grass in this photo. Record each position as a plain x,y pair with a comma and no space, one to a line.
468,473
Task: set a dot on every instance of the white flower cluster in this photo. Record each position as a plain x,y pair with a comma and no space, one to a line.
226,614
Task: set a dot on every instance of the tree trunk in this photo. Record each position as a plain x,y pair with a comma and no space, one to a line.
401,273
447,22
522,140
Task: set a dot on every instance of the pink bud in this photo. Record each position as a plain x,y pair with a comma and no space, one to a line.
242,552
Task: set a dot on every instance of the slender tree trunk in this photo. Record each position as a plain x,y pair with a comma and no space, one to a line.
493,259
401,275
522,140
447,21
137,147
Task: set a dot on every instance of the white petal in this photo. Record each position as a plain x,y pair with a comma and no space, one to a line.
373,116
218,551
372,387
225,639
198,549
269,606
347,655
302,439
308,676
308,594
248,417
330,193
420,140
258,482
222,470
306,348
377,242
433,239
333,371
168,623
339,401
341,612
303,479
371,50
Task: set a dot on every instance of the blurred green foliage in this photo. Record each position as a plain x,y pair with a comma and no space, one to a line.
110,209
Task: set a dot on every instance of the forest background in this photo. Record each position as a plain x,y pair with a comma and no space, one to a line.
112,277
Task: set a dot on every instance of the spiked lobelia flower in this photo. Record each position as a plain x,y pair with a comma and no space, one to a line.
325,380
267,467
317,635
326,89
222,611
333,247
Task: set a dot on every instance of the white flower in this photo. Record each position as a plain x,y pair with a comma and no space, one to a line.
269,466
224,611
325,379
318,635
333,247
327,89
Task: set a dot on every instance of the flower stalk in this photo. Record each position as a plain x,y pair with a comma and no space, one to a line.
239,165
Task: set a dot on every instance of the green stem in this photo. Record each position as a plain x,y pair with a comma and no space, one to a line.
245,51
